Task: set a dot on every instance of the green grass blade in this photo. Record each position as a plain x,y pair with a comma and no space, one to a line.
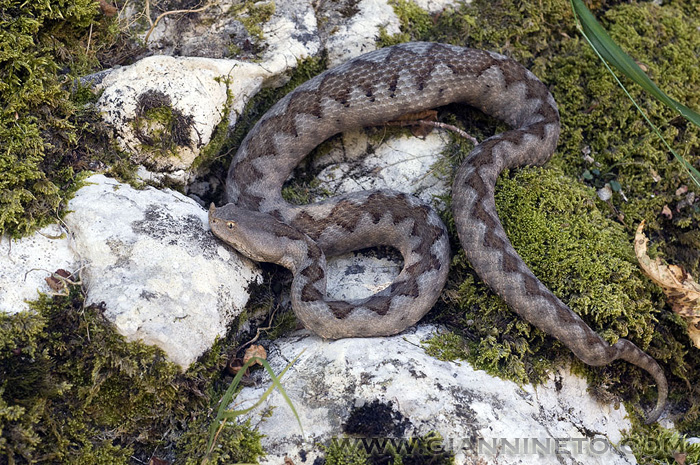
611,52
276,383
608,51
226,399
224,415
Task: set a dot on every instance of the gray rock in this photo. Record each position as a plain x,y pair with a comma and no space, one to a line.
150,257
26,263
193,94
357,34
477,415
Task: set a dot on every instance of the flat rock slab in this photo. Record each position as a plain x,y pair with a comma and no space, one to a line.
404,163
150,257
477,415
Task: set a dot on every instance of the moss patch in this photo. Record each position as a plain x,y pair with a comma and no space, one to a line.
658,445
580,246
73,391
253,15
160,128
45,127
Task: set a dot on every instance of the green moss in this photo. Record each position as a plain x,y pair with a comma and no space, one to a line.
301,190
253,14
657,446
282,324
218,139
342,452
45,138
447,346
160,128
624,148
73,391
412,18
235,444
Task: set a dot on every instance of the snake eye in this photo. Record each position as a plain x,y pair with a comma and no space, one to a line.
230,224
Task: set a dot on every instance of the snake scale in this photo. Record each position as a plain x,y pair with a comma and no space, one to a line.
369,90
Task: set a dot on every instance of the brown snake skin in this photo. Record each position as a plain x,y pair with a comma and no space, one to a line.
369,90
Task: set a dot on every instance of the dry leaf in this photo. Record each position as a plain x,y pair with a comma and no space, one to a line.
55,282
680,458
234,366
107,9
682,292
667,212
254,351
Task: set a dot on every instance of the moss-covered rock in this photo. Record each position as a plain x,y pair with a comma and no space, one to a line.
41,126
73,391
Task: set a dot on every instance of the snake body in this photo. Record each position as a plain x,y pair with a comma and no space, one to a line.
368,90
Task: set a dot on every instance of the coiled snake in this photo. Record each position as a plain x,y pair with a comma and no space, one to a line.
369,90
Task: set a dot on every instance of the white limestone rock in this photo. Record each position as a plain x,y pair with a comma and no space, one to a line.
357,275
192,89
332,378
26,263
358,34
353,35
196,89
436,6
150,257
289,34
404,163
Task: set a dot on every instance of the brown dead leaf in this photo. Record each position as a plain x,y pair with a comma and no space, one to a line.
682,292
254,351
666,211
680,458
56,282
234,366
107,9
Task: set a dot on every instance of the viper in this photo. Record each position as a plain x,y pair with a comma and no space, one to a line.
368,90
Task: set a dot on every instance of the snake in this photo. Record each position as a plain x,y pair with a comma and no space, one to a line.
369,90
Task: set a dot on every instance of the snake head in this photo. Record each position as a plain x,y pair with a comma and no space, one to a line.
256,235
